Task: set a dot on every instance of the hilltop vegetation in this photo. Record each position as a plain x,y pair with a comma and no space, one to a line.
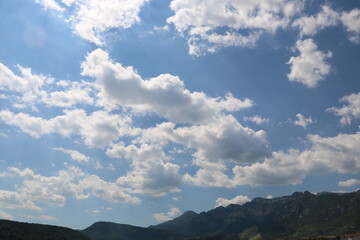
11,230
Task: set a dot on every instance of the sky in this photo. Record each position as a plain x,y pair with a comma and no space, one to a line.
135,111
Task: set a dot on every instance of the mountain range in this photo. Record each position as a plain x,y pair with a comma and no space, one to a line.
299,215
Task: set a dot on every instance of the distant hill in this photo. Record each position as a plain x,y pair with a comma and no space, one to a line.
11,230
298,215
114,231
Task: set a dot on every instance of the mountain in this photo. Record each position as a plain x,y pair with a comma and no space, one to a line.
298,215
114,231
11,230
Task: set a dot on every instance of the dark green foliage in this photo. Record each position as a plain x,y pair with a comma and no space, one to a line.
11,230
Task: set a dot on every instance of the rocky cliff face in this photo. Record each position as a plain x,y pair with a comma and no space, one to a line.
299,213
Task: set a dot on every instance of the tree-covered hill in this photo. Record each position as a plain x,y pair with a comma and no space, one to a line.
11,230
114,231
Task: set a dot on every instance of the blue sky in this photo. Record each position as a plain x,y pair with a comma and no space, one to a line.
136,111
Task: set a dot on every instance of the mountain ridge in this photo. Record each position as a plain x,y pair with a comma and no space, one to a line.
296,214
299,215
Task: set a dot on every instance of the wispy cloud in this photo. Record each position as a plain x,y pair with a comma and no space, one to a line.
75,155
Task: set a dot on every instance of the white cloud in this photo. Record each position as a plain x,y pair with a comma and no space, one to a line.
310,68
349,183
25,83
75,155
15,200
216,138
241,199
164,94
4,215
162,217
50,4
257,119
338,154
223,140
209,177
98,129
310,25
333,154
350,111
75,93
5,174
71,182
351,21
282,168
200,21
42,89
42,217
107,191
165,28
302,121
91,18
151,175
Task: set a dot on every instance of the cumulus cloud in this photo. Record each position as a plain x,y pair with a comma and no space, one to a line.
310,25
151,175
74,93
199,21
91,18
34,88
351,21
223,140
349,111
216,144
333,154
75,155
165,94
71,182
310,67
27,84
325,155
240,199
98,129
302,121
162,217
193,120
349,183
257,119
